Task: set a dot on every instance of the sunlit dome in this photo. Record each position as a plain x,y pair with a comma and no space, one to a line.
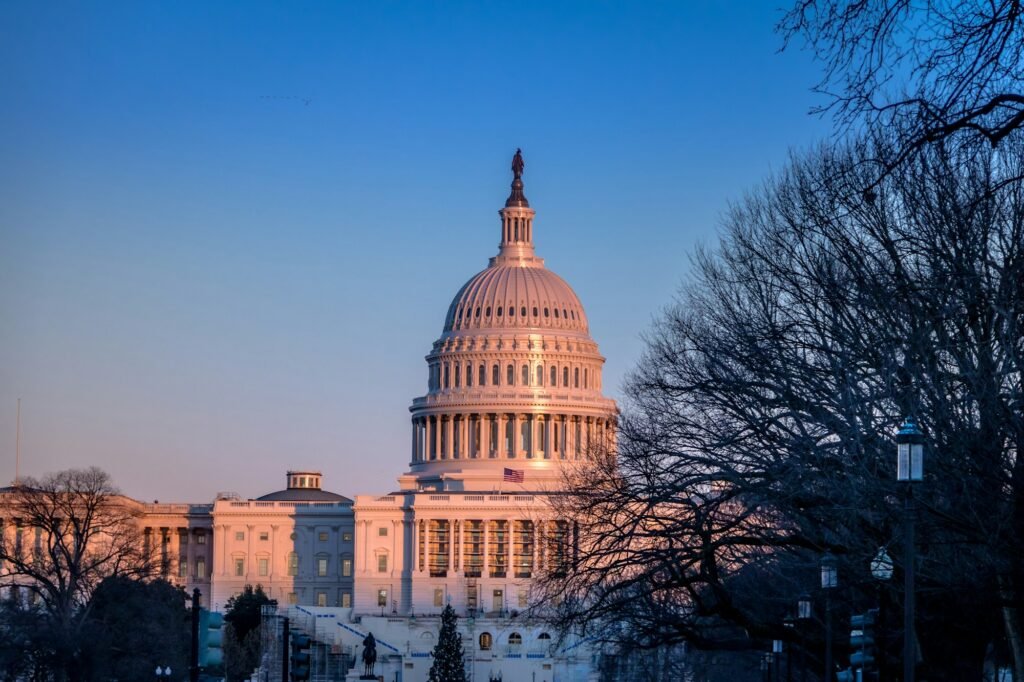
516,296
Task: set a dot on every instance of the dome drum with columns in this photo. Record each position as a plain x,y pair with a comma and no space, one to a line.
515,379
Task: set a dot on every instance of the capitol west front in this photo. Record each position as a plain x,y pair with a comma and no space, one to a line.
513,402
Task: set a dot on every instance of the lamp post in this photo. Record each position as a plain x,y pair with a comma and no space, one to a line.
881,571
163,673
777,658
829,581
909,470
803,613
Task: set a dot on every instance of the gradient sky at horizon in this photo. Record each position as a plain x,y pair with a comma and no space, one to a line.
229,232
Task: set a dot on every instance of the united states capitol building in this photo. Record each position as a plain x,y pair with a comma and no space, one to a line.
514,398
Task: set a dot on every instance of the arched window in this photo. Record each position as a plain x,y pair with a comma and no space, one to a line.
515,639
469,375
546,312
446,376
511,311
554,376
526,375
565,377
510,375
535,311
485,641
488,311
483,375
522,311
576,378
540,375
499,311
458,375
495,375
478,311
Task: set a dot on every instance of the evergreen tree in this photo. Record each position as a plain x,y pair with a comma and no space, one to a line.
449,664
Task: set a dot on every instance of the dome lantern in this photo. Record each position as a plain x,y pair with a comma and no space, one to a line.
516,246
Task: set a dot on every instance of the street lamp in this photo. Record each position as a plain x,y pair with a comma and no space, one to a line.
163,672
881,570
777,658
829,581
803,613
909,470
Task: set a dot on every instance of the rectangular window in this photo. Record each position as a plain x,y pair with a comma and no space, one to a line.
323,537
497,551
264,566
438,596
200,568
239,535
346,600
293,598
346,537
293,564
321,599
200,538
382,563
346,568
382,532
239,567
498,600
321,567
183,567
382,597
183,538
439,541
264,537
522,599
473,548
522,549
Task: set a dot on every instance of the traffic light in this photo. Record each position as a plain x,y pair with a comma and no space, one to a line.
300,657
211,639
862,640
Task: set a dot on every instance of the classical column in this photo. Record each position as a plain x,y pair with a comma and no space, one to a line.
485,570
514,441
413,448
549,446
437,436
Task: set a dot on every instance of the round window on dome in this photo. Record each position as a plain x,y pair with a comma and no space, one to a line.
499,311
572,311
546,312
522,311
488,311
511,311
535,311
478,311
556,313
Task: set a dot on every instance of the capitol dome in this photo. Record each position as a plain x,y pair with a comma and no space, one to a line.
514,381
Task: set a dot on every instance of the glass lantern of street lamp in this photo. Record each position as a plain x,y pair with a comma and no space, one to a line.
829,572
909,452
803,607
776,646
881,565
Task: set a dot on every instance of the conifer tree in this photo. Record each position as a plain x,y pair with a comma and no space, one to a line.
449,664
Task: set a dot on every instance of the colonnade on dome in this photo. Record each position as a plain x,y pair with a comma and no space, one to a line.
508,435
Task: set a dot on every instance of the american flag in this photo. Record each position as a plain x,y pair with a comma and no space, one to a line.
513,476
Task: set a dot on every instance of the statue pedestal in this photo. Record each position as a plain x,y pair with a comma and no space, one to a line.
354,675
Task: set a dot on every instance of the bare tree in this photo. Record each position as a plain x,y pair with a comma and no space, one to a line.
924,71
758,427
63,535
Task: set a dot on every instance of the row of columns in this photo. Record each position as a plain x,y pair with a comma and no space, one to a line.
507,436
458,531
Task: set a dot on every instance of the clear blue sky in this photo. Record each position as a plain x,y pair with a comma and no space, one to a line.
229,232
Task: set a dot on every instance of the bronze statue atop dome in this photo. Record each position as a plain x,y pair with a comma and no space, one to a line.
517,164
